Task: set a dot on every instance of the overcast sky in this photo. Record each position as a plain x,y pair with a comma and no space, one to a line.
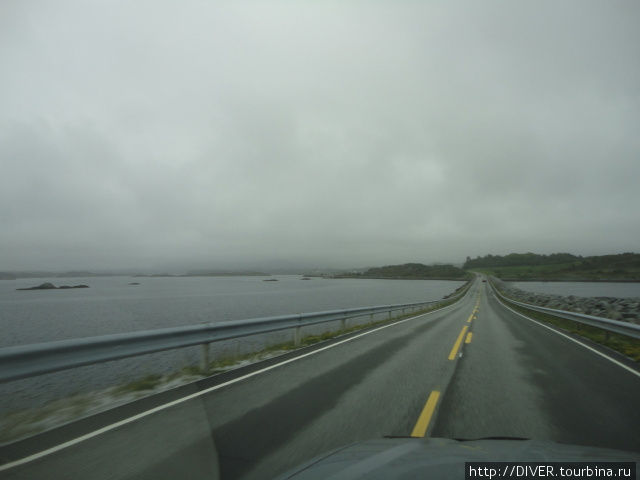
157,134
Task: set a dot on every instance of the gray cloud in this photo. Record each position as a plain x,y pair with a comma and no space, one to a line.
249,133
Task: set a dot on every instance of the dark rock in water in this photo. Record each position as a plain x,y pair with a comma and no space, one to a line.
134,283
270,280
305,278
43,286
51,286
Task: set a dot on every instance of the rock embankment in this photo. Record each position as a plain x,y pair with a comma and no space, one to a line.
625,309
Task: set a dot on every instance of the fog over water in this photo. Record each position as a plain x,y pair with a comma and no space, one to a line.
174,135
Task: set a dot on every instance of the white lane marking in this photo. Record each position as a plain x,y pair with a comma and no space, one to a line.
620,364
173,403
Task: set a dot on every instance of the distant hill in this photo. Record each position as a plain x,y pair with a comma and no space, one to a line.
559,266
412,271
518,259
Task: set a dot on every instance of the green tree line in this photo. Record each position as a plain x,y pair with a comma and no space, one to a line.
416,270
518,259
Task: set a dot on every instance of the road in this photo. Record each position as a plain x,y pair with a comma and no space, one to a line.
417,377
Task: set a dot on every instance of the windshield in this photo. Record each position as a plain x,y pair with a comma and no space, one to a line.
239,235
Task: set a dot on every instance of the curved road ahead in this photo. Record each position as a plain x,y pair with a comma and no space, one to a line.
422,376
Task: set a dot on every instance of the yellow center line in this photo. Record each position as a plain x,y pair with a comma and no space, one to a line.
422,424
468,339
470,318
456,346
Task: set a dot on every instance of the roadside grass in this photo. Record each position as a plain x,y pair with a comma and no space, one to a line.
628,346
146,383
23,423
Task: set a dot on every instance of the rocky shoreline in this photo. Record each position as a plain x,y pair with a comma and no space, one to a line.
624,309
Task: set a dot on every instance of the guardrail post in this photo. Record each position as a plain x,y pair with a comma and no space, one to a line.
389,313
297,333
343,324
204,357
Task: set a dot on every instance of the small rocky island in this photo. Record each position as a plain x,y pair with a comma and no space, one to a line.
51,286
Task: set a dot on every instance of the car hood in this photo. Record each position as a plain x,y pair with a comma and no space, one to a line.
410,458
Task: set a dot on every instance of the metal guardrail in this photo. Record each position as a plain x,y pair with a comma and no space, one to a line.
606,324
36,359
